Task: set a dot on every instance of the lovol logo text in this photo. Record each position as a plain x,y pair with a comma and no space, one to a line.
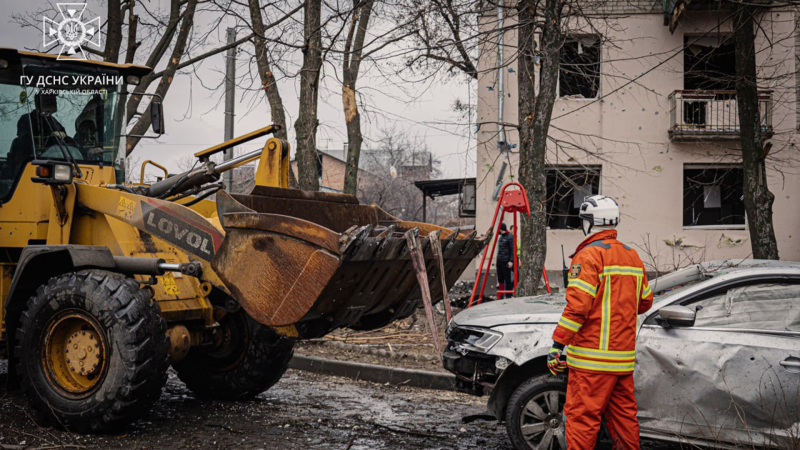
177,232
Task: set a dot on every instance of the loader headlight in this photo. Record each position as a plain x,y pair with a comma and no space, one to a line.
52,172
475,339
62,173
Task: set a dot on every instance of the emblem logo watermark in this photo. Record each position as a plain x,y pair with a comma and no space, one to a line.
71,32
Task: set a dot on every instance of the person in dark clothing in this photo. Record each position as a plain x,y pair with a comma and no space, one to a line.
505,261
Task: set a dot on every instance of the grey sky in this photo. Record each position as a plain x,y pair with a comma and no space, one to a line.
195,109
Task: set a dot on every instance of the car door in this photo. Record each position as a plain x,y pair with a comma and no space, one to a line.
733,377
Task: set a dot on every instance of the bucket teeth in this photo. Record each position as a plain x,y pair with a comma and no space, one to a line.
470,240
451,241
352,239
388,232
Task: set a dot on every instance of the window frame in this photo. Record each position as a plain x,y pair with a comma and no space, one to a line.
586,167
599,94
705,166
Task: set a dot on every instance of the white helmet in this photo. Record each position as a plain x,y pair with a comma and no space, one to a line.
598,211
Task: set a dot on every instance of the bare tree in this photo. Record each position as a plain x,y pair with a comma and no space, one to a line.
449,35
265,70
353,50
758,199
165,77
306,124
389,172
445,35
535,112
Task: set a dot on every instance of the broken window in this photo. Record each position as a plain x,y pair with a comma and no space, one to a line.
712,195
579,69
566,188
708,63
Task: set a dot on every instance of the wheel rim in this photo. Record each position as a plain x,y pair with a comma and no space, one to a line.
74,353
542,421
230,343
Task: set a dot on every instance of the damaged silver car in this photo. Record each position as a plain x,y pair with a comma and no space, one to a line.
718,359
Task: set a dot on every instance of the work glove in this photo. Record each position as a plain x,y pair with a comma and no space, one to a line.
556,358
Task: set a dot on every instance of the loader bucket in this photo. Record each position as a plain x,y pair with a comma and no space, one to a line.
322,261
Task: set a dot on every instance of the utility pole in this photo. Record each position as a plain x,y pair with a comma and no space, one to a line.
230,94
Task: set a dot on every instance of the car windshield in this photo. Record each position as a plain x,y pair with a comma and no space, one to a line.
73,114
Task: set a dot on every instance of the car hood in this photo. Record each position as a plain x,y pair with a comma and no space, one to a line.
523,310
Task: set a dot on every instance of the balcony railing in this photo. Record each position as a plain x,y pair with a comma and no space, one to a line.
707,115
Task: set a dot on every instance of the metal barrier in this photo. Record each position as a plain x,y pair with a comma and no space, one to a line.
700,114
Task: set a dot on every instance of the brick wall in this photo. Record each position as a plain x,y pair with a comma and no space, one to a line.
624,7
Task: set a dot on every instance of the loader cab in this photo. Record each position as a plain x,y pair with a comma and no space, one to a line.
53,109
43,121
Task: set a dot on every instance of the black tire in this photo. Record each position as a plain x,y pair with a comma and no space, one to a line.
517,416
538,390
134,344
248,359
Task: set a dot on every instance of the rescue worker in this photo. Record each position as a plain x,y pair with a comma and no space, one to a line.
607,290
505,262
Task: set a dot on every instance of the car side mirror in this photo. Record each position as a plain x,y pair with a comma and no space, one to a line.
677,316
157,117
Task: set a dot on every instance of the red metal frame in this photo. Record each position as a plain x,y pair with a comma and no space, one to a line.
513,202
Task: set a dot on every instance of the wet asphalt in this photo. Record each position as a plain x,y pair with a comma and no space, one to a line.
303,411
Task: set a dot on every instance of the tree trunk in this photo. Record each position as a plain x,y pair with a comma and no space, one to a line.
265,70
350,66
152,61
306,124
133,25
268,82
535,113
113,32
143,124
757,197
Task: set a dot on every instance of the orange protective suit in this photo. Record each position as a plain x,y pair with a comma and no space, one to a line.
607,290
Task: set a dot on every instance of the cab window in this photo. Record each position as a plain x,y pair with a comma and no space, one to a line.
71,121
15,151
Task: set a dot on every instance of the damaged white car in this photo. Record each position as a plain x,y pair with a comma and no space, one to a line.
718,359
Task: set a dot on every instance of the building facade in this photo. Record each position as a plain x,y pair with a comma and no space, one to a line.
649,117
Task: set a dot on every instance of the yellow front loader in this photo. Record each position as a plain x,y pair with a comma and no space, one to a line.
106,283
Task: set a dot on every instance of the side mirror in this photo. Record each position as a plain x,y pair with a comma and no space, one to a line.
157,117
677,316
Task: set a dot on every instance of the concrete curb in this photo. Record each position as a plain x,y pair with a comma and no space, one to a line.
371,372
360,348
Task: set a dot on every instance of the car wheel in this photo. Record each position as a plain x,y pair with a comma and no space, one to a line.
534,415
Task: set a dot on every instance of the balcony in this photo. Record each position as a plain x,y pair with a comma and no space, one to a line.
712,115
